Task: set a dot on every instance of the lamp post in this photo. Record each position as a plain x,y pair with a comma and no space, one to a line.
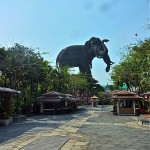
94,101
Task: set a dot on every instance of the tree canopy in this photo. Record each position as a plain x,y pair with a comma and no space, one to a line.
134,68
23,69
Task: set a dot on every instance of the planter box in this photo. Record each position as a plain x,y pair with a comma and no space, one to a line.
5,122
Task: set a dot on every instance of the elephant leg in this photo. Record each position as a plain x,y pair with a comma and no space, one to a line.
81,69
86,69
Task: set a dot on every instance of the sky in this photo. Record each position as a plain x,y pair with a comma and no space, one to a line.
52,25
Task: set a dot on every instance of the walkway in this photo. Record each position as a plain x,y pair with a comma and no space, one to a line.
87,128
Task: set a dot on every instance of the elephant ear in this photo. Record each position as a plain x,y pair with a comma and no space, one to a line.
90,42
87,44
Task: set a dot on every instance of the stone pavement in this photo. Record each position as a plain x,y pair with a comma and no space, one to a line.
86,128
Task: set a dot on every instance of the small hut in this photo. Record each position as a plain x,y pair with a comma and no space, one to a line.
50,102
69,101
125,102
54,102
94,100
6,108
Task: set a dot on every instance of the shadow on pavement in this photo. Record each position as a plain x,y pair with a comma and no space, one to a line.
37,124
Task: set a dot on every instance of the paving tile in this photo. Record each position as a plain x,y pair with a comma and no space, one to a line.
76,147
66,148
90,129
81,143
46,143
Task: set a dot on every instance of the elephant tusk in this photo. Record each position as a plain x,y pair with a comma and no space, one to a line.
105,40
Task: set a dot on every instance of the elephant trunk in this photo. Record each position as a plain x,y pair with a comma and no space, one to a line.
103,50
104,46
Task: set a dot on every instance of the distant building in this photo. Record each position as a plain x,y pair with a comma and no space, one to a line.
123,87
107,89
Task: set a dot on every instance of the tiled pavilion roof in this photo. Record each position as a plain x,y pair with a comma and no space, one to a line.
94,97
56,97
126,95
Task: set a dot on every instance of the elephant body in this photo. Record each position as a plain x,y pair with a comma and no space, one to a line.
82,55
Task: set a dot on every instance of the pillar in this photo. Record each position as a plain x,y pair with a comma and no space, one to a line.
134,106
94,102
118,107
41,107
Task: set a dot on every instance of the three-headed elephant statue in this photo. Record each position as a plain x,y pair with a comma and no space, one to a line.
82,55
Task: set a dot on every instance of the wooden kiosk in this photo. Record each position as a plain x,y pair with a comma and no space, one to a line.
125,102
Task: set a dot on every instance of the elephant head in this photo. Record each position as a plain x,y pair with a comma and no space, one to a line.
97,46
100,50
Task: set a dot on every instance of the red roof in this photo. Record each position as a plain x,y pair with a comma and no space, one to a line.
52,94
126,95
56,97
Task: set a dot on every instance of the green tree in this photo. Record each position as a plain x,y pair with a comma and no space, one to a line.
133,70
24,70
78,84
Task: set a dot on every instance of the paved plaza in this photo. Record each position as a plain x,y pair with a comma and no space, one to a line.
84,129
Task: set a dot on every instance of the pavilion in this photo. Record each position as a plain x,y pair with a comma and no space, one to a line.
125,102
54,102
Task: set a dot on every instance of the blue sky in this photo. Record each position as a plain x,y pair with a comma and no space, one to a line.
53,25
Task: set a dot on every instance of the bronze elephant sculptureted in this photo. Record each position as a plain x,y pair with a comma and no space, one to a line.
82,55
